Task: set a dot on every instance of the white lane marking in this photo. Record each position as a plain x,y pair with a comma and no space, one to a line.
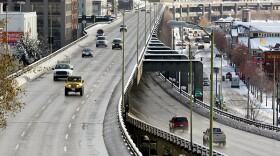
17,146
44,107
78,109
29,124
110,66
73,117
22,133
36,115
83,102
70,125
87,96
66,136
91,90
61,89
106,72
49,101
65,148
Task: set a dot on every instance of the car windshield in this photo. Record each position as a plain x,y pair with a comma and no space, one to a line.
101,38
182,119
62,66
86,50
74,79
217,130
117,41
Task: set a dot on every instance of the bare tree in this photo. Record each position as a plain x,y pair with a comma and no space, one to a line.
220,40
29,50
204,22
9,102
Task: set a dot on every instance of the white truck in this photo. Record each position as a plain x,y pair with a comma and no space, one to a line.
62,69
219,137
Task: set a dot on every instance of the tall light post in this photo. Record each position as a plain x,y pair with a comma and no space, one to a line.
123,72
137,46
150,17
195,26
20,3
7,37
145,23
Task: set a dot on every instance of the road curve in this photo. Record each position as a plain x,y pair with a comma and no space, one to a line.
150,103
52,124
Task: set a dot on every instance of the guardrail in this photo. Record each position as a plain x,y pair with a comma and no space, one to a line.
226,114
173,138
33,65
179,141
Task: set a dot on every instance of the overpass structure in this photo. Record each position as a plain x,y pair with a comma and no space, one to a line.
123,114
223,9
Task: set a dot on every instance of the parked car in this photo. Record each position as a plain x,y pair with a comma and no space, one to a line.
117,43
178,122
101,41
123,28
219,137
87,52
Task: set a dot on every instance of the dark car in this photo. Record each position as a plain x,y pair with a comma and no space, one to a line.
123,28
87,52
117,43
100,32
178,122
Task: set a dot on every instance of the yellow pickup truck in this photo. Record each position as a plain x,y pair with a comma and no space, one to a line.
74,84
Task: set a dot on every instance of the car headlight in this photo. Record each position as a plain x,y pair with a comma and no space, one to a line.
69,86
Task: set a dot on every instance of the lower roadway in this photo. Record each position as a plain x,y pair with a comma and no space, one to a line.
150,103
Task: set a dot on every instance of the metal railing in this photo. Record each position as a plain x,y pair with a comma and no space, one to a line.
171,137
223,113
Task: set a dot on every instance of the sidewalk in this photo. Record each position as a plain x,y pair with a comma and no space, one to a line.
236,99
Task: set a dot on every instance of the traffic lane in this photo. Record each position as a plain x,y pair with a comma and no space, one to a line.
47,120
45,87
152,105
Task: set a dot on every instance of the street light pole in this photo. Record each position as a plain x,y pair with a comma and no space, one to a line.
211,96
123,65
273,97
145,24
137,51
7,37
191,88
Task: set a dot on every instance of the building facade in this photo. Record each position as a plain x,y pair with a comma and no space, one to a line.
57,18
85,7
19,23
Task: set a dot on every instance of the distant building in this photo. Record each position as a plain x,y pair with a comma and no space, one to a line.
18,24
85,7
257,35
58,18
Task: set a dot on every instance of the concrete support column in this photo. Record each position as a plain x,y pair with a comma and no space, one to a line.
221,10
235,10
247,5
209,12
203,10
271,9
258,7
188,12
181,11
174,12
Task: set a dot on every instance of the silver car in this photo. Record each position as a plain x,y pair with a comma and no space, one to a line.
101,41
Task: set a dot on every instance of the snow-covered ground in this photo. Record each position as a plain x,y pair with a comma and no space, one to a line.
236,99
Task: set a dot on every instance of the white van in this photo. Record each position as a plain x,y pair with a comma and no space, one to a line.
235,82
